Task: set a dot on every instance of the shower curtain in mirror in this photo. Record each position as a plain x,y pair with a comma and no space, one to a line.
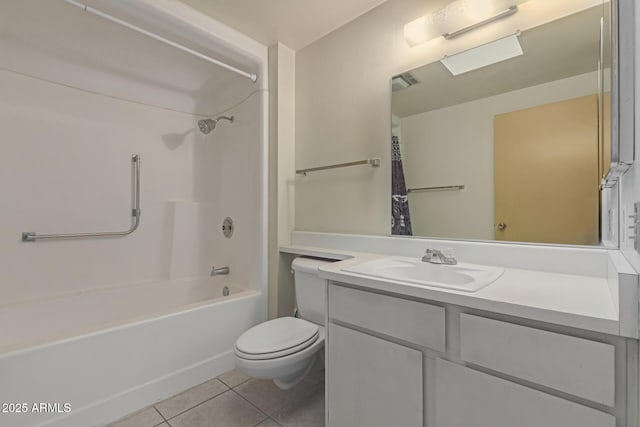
400,218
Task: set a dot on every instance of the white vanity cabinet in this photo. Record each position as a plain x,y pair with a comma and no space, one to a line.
466,397
393,361
581,367
374,382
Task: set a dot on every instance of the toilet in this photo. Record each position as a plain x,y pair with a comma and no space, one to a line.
286,349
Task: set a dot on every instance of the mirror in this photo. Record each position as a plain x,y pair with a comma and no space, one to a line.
513,151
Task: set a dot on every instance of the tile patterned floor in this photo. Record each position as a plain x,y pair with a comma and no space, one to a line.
235,400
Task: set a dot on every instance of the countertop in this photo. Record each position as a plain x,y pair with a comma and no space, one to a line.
571,300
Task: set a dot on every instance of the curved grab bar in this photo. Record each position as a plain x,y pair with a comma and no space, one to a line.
30,236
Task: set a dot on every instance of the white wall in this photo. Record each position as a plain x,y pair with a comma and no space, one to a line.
282,176
65,161
454,145
343,107
630,181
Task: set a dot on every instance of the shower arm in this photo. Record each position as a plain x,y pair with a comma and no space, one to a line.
30,236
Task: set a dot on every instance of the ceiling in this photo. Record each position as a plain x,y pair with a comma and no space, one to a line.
295,23
553,51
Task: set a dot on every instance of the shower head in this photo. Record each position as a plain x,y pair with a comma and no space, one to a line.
207,125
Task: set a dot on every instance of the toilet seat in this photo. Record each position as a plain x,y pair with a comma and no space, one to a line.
276,354
276,338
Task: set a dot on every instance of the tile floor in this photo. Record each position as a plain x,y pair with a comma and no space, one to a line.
235,400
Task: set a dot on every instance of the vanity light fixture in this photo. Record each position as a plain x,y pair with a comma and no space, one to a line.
458,18
486,54
507,12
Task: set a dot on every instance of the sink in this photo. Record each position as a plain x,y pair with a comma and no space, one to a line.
461,277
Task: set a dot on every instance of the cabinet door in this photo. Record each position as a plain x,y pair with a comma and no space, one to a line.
468,398
372,382
573,365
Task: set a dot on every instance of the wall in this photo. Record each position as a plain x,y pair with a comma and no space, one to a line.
282,176
65,163
343,107
629,186
439,149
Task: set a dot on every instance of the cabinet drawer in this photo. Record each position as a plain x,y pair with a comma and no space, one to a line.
418,323
573,365
468,398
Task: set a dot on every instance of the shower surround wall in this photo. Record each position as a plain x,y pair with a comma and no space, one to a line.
65,158
70,172
80,95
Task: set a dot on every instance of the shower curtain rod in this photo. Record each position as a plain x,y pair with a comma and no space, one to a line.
87,8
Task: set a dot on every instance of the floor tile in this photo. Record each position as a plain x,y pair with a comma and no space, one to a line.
307,411
269,398
233,378
225,410
188,399
268,423
265,395
148,417
316,376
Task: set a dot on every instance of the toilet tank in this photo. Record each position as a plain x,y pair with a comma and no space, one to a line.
311,290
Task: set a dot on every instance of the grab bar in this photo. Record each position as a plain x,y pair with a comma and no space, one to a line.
442,188
30,236
373,162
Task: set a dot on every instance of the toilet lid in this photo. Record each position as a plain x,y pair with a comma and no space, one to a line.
276,338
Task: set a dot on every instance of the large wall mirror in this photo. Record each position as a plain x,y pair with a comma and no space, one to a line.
513,151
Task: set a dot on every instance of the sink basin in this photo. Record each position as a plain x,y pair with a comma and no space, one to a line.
461,277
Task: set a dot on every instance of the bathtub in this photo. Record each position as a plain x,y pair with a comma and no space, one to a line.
89,358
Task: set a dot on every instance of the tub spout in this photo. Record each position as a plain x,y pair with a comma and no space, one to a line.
219,271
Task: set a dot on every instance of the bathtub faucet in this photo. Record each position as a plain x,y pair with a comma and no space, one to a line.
219,271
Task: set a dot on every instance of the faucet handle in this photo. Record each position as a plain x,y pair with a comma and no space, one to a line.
448,252
429,253
448,256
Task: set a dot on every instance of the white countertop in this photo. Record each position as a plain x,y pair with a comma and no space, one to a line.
572,300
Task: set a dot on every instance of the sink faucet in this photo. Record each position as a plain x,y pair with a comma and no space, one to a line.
219,271
435,256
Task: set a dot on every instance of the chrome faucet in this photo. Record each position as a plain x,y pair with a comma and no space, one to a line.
435,256
219,271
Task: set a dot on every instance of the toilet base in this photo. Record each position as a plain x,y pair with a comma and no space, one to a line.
286,383
284,376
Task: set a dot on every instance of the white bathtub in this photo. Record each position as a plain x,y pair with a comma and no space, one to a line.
107,353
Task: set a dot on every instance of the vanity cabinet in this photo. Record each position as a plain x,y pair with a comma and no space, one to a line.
577,366
417,323
374,382
466,397
393,361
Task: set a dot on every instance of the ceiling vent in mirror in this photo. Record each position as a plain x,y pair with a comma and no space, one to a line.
403,81
482,56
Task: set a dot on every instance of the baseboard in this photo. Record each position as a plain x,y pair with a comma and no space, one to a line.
117,406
